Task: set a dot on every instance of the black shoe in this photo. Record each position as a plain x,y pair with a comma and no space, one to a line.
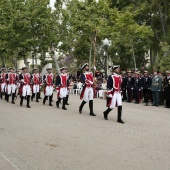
13,102
50,104
105,115
153,105
37,101
120,121
28,107
39,98
92,114
57,104
64,108
157,105
67,104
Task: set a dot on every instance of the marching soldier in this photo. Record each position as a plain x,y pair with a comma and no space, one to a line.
3,82
49,85
11,79
156,88
62,88
167,89
114,94
35,85
130,83
87,93
146,84
137,87
25,81
68,89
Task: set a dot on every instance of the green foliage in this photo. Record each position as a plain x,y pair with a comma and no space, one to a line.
134,28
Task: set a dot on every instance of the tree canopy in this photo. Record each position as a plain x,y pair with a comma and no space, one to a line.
137,29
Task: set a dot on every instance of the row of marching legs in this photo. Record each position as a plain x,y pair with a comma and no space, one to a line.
50,98
7,97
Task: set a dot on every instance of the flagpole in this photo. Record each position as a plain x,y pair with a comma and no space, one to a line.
94,44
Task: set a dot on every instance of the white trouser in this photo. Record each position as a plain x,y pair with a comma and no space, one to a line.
88,94
63,92
49,90
11,88
3,89
116,98
68,91
26,90
36,88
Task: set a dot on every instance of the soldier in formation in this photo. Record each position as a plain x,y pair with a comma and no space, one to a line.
87,93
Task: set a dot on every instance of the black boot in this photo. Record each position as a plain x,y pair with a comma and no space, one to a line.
64,103
33,95
50,100
105,113
21,101
13,97
52,97
44,100
58,102
28,101
37,97
91,108
81,106
67,99
119,120
1,96
7,97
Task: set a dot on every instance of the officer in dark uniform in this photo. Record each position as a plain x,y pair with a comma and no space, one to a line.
123,85
156,88
167,89
137,87
146,84
129,86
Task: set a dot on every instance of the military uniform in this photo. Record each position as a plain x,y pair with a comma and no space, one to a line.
156,87
62,88
36,81
137,88
68,86
167,90
25,81
114,95
123,87
146,84
49,85
2,82
87,93
129,86
11,79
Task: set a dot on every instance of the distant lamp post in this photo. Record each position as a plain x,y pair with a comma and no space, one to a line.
106,43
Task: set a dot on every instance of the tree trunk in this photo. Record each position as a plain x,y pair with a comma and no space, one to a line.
56,63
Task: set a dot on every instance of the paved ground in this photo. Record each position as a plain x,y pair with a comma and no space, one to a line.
47,138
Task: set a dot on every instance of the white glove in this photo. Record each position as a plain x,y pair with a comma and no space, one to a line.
131,88
110,96
90,82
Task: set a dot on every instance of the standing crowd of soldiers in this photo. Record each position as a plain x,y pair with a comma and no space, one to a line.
119,87
151,88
